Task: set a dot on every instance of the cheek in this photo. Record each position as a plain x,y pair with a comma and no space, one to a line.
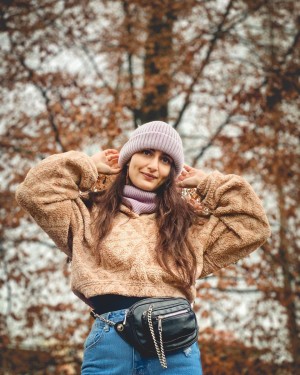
131,172
165,171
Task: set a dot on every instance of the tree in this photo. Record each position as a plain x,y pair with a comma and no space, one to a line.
81,75
268,149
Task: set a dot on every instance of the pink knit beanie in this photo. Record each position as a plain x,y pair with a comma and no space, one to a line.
156,135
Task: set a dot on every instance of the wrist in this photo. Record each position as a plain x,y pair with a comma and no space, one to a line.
93,161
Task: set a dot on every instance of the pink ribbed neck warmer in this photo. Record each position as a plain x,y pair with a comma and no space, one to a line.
141,202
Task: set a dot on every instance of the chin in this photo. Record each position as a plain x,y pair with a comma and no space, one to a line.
145,187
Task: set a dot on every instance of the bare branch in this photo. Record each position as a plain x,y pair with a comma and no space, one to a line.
212,140
216,37
136,112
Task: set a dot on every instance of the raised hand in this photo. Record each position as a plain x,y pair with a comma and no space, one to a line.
107,161
190,177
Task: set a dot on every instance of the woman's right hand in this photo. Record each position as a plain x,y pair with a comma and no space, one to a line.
107,161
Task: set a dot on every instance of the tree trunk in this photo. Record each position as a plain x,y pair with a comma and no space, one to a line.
157,61
288,299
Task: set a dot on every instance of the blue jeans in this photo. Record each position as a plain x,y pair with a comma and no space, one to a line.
105,353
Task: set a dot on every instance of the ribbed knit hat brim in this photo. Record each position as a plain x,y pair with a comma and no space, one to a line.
156,135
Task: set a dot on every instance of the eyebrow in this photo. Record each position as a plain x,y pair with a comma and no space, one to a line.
163,153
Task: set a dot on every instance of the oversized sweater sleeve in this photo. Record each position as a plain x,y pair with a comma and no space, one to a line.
237,224
50,193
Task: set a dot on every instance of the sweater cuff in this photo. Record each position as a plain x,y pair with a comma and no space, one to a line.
80,166
207,187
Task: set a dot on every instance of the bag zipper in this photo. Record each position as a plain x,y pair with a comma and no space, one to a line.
161,317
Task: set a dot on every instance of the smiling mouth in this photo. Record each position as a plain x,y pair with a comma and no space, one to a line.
149,176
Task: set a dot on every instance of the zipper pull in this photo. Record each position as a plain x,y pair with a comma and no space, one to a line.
159,324
125,318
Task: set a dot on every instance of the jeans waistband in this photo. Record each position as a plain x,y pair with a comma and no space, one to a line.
112,302
110,317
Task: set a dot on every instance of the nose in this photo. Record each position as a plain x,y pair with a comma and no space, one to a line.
153,163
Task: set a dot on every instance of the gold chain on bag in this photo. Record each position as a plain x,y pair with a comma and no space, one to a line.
160,351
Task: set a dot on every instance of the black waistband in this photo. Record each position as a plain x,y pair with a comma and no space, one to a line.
112,302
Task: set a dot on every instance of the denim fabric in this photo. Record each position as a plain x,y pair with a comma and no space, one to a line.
105,353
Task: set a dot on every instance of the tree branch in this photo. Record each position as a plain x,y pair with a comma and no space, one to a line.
214,40
135,111
43,92
211,142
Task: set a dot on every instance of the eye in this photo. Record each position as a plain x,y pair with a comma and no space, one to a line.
166,160
147,152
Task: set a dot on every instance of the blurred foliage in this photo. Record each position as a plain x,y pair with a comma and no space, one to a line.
81,75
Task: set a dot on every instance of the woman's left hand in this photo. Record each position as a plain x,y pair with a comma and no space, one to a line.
190,177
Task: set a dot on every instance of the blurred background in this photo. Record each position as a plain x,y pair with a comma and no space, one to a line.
81,75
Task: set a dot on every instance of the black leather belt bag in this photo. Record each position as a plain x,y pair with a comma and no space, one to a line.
158,326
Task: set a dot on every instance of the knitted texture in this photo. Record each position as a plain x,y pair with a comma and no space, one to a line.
142,202
126,264
156,135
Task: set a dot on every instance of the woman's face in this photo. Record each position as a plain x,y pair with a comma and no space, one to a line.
149,169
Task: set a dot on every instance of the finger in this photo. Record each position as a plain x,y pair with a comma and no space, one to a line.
180,184
115,170
111,151
187,167
183,174
113,157
113,163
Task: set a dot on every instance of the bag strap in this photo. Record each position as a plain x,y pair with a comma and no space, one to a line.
95,315
159,350
119,326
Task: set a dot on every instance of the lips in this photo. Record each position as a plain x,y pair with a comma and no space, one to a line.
149,176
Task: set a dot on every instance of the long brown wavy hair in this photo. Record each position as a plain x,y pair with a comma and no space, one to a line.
174,216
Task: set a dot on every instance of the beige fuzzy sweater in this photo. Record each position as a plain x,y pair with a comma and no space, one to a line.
126,263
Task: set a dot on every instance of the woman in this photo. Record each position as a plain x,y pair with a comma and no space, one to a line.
139,238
